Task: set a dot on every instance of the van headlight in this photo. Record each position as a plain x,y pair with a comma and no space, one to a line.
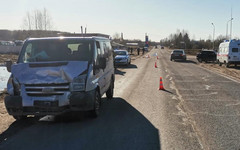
78,83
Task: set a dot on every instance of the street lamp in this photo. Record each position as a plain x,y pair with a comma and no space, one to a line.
213,34
227,28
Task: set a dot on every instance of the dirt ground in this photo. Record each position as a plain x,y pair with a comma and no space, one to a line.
4,57
232,72
5,119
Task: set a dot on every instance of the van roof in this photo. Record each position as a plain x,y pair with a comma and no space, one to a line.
61,37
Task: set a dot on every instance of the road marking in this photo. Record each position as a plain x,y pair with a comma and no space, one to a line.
212,93
233,104
216,115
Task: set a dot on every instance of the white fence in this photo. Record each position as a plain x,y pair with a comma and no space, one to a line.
9,49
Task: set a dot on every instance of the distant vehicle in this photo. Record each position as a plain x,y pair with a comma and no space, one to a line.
122,57
60,74
206,56
178,54
146,49
229,53
7,43
18,43
162,47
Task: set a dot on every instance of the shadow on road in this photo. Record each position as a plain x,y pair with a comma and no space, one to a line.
117,71
120,72
168,91
119,126
187,61
131,66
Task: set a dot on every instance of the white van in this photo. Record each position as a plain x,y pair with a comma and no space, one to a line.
60,74
229,53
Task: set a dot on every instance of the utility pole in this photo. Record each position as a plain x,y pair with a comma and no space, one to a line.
231,25
227,28
213,34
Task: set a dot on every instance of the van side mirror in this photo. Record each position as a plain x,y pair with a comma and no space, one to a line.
102,62
9,65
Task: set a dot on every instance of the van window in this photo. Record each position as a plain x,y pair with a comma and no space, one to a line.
105,49
234,50
109,48
98,47
57,50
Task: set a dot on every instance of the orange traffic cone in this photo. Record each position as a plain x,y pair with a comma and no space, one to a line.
148,56
155,64
161,84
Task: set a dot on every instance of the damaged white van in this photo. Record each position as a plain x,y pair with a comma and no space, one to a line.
56,75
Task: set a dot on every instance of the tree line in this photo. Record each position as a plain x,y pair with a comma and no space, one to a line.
181,40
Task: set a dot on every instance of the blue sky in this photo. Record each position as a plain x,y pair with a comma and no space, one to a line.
134,18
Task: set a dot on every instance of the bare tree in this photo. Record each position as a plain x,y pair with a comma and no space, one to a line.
116,36
38,20
27,21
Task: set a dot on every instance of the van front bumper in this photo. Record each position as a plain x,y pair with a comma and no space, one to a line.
78,101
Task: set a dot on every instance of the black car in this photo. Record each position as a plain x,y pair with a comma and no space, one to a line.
178,54
206,56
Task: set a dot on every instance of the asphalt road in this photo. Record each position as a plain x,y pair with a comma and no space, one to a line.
198,110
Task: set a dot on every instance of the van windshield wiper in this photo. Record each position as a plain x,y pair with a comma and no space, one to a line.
51,64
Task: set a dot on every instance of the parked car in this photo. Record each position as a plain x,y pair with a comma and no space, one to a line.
229,53
122,57
178,54
206,56
60,74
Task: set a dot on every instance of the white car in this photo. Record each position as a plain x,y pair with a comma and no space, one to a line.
122,57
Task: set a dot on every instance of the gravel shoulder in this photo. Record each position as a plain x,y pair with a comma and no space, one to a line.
232,72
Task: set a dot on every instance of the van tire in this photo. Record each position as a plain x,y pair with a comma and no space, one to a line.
200,60
227,65
110,90
97,101
219,63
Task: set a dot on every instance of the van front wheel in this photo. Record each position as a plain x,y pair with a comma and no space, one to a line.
110,90
97,100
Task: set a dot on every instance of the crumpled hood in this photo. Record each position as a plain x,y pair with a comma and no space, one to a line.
50,72
120,56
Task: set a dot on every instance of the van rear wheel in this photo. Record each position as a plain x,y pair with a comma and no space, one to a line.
227,65
110,90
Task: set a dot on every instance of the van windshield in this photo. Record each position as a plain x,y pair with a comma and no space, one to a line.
120,52
57,50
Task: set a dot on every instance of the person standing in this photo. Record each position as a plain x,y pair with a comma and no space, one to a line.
131,50
143,50
138,50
